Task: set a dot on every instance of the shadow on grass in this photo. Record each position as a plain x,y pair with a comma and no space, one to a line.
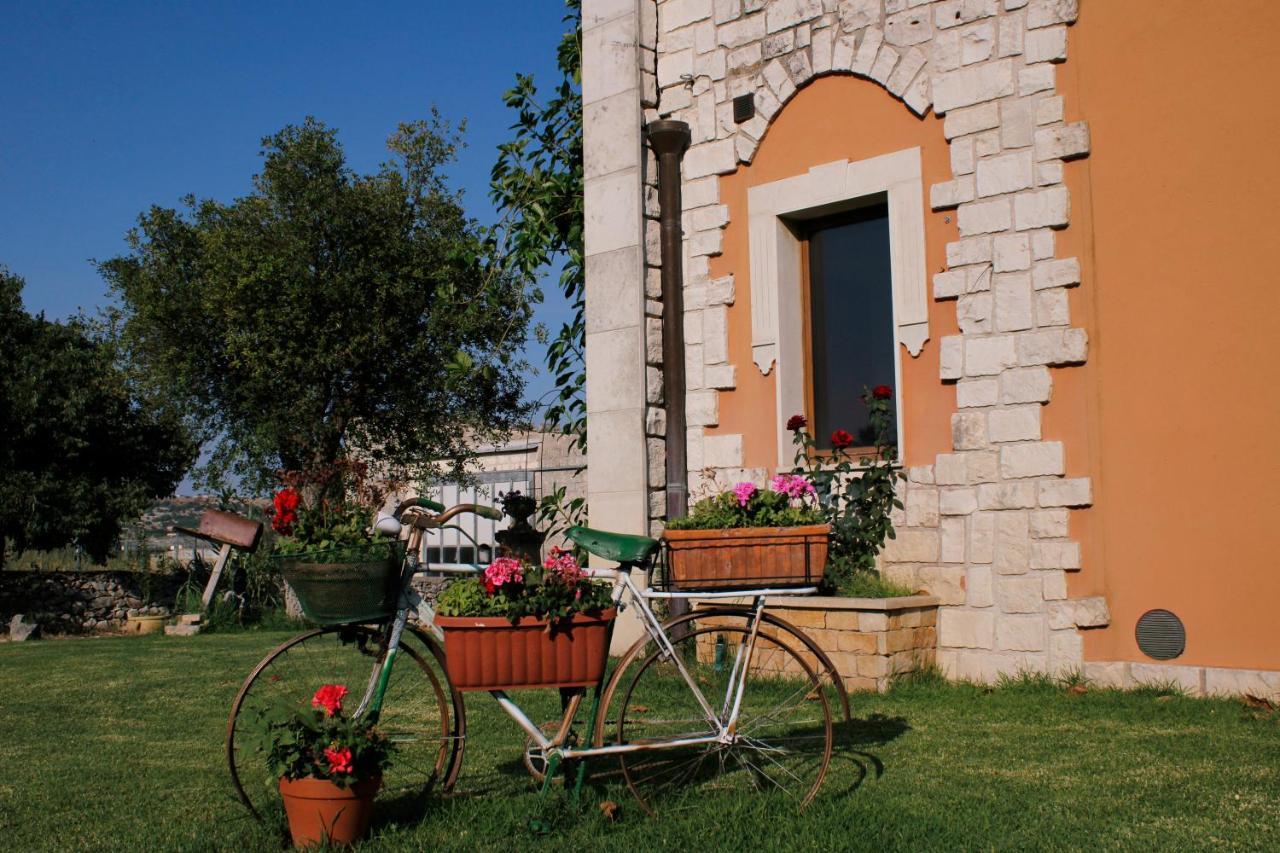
851,758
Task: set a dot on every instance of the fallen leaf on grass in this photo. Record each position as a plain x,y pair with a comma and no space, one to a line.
1259,702
1077,690
639,709
609,809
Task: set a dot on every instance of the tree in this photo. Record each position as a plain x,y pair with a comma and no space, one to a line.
81,451
537,185
327,316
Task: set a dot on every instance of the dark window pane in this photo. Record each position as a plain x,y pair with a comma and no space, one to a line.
851,318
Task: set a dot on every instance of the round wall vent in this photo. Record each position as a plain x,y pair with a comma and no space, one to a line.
1161,635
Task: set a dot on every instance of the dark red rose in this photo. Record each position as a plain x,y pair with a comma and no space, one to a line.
882,392
841,439
796,422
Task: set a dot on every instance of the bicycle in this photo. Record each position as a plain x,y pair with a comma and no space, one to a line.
740,704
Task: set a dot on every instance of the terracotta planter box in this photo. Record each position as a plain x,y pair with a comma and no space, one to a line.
491,653
746,557
870,640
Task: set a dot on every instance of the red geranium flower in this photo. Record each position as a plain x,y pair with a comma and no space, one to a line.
329,697
286,503
882,392
796,422
841,439
339,759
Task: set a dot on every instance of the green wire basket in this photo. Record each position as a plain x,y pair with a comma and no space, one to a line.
349,584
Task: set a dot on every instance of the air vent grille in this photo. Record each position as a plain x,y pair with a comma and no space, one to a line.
1161,635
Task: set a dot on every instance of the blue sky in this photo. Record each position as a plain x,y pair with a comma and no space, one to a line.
108,108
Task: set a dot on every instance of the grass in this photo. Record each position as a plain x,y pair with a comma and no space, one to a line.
114,743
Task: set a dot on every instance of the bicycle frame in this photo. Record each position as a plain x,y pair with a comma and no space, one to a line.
723,722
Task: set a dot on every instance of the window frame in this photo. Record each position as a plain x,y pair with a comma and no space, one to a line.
776,213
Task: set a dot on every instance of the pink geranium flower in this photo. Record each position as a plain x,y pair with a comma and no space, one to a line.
744,492
791,485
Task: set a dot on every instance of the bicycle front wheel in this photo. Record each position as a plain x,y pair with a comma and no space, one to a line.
780,746
419,714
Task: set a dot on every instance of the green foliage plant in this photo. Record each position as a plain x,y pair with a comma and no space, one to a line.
318,740
856,488
512,588
83,449
748,506
326,513
327,315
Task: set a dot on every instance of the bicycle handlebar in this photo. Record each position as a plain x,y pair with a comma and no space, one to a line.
391,525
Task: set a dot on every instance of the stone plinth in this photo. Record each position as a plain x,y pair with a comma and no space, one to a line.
870,640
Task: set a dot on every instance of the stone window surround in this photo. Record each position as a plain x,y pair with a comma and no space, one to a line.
777,323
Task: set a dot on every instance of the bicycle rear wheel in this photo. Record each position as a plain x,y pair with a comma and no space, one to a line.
781,745
419,713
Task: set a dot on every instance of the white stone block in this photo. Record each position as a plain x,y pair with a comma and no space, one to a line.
953,13
741,59
951,357
1012,32
1052,346
986,144
1042,242
957,501
1013,301
1185,677
842,53
950,284
1052,308
1049,110
612,212
1046,208
727,10
908,27
710,158
1107,673
948,469
1055,555
779,80
979,588
715,334
920,474
886,59
781,14
1021,423
982,537
1049,523
720,376
867,52
989,356
968,430
912,546
1077,491
972,85
952,550
912,61
1011,252
921,507
822,48
1046,13
1020,633
674,14
1240,682
1048,44
673,68
948,194
977,43
945,582
702,408
962,158
973,393
1049,173
1032,459
740,32
1055,584
1018,594
1007,495
1036,78
1013,543
722,451
1063,142
964,122
1066,653
1025,385
615,285
981,467
967,629
974,250
1091,612
1004,174
973,313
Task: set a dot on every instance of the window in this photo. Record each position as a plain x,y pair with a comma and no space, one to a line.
835,201
850,318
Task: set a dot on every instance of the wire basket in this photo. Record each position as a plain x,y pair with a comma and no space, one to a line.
346,584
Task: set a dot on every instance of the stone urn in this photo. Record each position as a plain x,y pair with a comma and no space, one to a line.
520,539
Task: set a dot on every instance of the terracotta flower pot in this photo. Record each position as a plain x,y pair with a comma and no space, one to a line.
491,653
320,811
746,557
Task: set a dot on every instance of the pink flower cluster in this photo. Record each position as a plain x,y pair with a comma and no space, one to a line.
744,491
563,565
791,485
501,571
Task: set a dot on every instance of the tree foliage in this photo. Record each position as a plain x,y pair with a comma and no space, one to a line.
327,315
80,450
537,185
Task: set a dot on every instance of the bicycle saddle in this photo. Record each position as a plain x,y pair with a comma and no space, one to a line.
620,547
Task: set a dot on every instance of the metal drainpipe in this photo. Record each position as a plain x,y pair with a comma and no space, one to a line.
669,140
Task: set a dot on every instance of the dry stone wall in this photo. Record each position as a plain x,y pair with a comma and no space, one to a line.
985,526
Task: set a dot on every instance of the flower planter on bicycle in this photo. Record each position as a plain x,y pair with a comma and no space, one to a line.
753,721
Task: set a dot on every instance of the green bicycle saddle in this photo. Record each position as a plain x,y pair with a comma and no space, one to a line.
620,547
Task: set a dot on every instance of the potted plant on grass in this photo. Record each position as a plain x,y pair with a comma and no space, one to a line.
325,550
522,625
329,766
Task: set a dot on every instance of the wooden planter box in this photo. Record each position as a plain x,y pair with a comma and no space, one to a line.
492,653
870,640
746,557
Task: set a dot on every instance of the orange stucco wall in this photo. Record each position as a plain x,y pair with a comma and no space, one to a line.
836,118
1175,415
1176,410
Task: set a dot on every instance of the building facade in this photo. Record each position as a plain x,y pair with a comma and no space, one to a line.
1043,222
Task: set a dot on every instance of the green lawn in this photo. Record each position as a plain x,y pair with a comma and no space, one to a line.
116,743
